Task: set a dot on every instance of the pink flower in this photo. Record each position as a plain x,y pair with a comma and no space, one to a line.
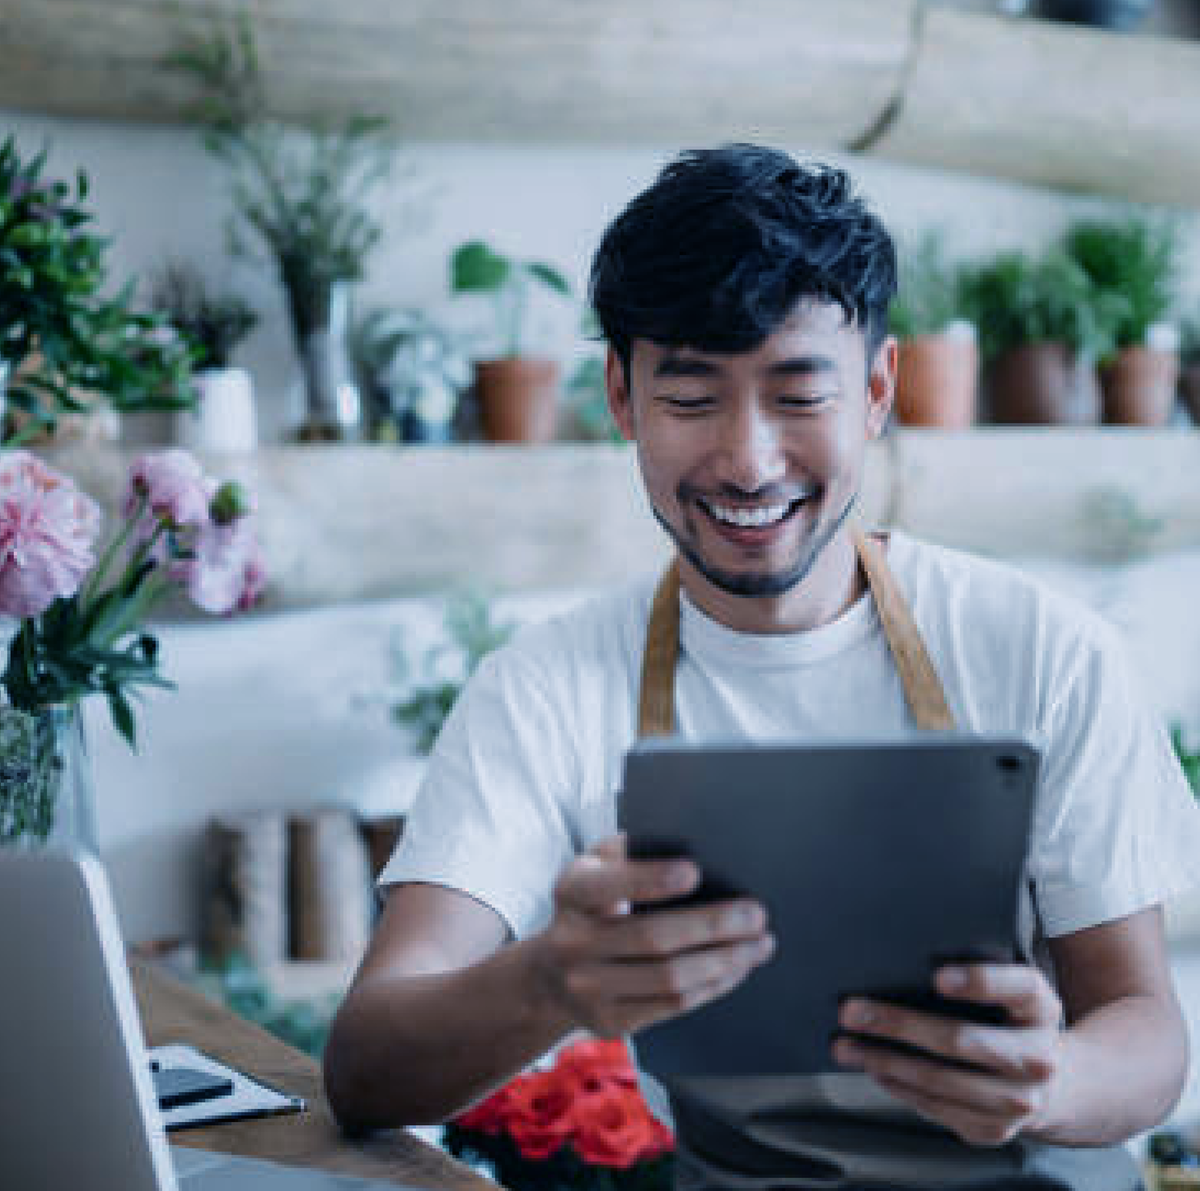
225,572
47,531
254,579
177,489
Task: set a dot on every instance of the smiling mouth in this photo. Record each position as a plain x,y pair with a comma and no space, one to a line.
751,517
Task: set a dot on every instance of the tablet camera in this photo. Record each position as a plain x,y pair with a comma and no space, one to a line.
1010,767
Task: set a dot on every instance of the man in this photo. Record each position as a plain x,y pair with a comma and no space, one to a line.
744,301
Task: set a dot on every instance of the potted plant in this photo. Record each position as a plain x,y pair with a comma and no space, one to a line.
517,394
412,371
1042,327
65,339
1134,260
302,193
1189,365
214,324
938,358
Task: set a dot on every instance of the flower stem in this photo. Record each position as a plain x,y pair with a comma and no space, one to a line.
92,588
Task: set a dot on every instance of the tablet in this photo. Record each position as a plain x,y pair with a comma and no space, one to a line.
876,860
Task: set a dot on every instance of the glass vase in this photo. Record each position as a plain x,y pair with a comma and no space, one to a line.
332,404
46,790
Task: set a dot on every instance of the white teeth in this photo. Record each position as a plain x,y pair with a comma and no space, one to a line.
764,515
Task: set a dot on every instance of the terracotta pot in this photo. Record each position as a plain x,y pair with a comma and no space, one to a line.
1139,387
518,399
1189,389
1044,383
936,381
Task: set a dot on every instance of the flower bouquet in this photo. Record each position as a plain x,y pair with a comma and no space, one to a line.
79,618
582,1124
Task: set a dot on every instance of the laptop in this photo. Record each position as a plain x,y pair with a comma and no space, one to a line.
79,1104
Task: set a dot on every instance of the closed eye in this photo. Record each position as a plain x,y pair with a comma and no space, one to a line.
806,400
686,404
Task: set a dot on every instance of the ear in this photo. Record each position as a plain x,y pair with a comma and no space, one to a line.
881,385
620,402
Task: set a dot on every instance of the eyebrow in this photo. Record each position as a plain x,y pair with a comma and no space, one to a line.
676,364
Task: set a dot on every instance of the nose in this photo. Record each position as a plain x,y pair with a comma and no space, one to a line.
752,451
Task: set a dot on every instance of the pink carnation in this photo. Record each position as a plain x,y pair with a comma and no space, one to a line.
47,531
177,489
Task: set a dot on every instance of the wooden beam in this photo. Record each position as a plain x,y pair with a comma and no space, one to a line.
1053,104
617,71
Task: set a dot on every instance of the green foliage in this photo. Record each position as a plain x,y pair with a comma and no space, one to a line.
477,268
1135,260
60,336
1189,339
299,191
214,323
1014,300
443,671
1189,757
930,295
30,767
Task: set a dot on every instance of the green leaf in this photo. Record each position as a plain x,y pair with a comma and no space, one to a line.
476,268
122,716
550,277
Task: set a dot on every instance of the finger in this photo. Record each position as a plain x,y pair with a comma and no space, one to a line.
595,884
1021,989
644,1011
975,1128
977,1092
1017,1053
674,980
665,933
612,848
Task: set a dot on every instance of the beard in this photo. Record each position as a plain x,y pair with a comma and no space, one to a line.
756,584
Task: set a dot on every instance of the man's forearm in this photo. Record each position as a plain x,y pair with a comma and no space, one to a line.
408,1050
1121,1072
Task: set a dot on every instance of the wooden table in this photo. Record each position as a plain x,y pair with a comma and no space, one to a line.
172,1012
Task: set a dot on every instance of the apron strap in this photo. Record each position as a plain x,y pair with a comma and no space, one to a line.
656,698
923,688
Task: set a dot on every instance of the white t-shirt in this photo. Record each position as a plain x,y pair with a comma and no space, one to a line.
524,774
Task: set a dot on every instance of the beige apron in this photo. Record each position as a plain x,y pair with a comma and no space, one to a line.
922,687
837,1130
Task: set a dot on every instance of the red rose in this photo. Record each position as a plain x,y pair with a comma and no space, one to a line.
595,1065
539,1116
487,1116
613,1127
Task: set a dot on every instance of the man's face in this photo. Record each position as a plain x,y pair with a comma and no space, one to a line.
752,461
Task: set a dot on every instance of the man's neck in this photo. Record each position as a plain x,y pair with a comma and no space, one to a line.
830,588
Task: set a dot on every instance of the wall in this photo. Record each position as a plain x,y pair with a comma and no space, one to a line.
159,195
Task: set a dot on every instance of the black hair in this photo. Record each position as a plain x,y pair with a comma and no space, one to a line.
717,252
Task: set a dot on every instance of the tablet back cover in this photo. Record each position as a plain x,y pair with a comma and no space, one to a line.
875,862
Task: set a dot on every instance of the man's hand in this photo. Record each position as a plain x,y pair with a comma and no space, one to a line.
613,971
996,1082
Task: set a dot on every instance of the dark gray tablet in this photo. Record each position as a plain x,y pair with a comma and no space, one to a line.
876,861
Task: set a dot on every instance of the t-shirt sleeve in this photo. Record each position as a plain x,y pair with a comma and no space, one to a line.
1117,828
493,816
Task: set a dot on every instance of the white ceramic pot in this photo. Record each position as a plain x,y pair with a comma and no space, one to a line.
222,421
